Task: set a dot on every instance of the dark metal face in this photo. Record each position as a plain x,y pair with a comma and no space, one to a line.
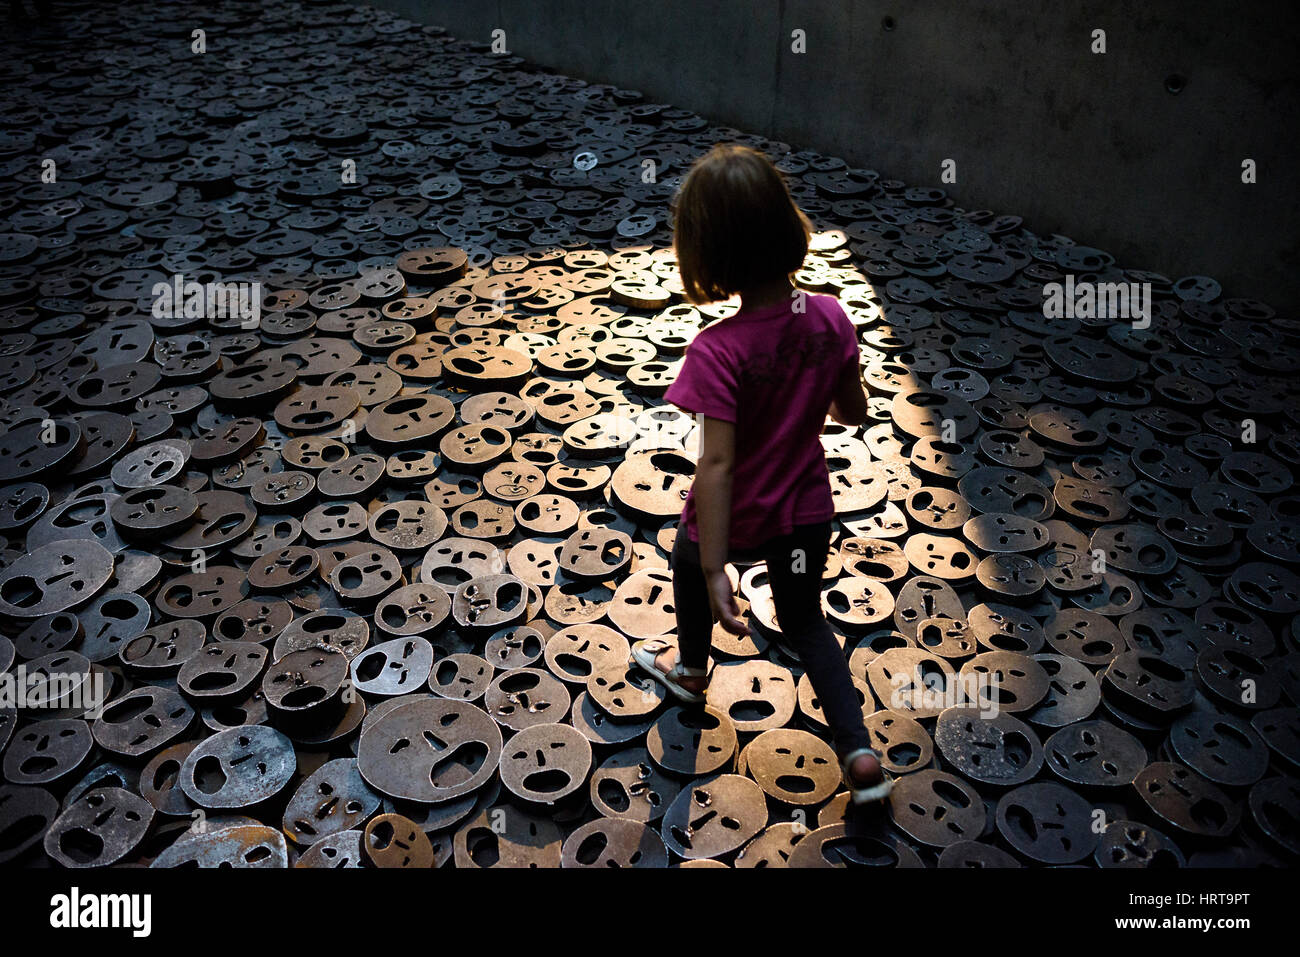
83,516
163,648
1131,844
628,786
973,854
26,814
489,602
1095,753
100,827
354,476
522,697
692,741
222,672
154,509
304,685
999,750
460,676
159,782
712,816
281,570
43,636
332,800
1165,632
21,504
343,849
223,517
346,631
937,808
228,441
1238,679
254,619
1047,822
109,620
46,751
1148,684
430,751
365,574
143,721
56,577
514,647
1072,692
243,845
393,667
599,728
239,767
1185,801
1084,636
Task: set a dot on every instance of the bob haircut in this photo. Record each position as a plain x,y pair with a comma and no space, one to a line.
736,225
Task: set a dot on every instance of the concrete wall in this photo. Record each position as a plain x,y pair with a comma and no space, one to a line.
1092,146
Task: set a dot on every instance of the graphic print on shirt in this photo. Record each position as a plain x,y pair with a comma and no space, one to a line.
795,354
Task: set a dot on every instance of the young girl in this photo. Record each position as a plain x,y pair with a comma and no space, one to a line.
761,383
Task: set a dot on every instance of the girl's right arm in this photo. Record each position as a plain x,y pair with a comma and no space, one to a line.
713,474
849,404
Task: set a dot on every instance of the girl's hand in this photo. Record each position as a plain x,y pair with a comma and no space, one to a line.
723,603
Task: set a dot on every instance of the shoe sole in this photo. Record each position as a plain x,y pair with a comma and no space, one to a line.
875,793
681,694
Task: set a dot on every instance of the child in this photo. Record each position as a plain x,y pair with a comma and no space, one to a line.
761,383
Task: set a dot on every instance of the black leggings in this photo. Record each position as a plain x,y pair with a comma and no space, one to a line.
796,593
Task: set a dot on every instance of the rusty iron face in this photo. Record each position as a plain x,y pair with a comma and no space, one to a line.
430,751
207,844
505,836
350,579
545,763
840,845
394,841
613,842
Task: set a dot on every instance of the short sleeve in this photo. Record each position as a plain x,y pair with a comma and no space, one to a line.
705,384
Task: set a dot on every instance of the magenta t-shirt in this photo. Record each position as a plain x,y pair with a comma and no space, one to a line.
772,373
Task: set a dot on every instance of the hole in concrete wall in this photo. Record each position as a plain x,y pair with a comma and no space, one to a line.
1175,82
887,24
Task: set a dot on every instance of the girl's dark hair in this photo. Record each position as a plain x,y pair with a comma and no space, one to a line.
736,225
